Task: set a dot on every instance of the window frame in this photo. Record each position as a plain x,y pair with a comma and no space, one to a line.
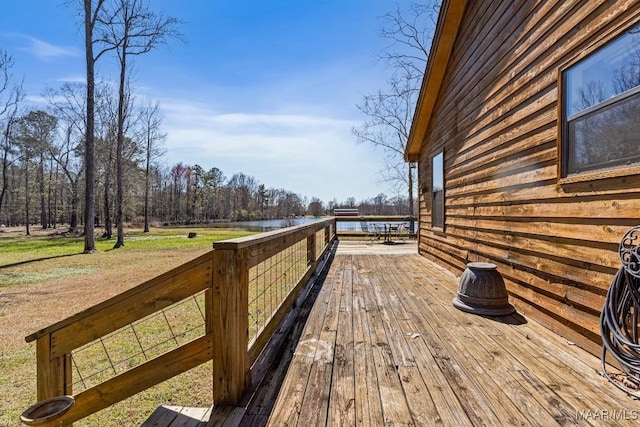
439,227
564,177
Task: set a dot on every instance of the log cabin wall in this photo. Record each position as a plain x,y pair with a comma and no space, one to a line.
496,121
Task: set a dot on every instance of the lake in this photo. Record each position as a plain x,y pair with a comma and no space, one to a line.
265,224
273,224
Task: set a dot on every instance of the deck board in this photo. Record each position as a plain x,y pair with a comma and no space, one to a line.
368,405
396,352
383,345
343,385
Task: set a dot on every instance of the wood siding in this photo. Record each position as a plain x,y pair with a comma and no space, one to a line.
496,118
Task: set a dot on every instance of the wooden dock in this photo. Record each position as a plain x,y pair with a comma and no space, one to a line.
383,345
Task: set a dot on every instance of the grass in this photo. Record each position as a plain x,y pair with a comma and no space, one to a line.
17,247
45,278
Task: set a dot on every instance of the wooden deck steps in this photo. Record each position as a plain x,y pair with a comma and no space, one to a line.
226,416
181,416
178,416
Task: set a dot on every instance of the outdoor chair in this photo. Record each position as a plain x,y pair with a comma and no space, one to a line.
402,233
372,231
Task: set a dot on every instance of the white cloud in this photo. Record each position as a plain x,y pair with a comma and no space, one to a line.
46,51
72,79
314,155
37,101
240,133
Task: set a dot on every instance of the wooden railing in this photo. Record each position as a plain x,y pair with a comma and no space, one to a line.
233,282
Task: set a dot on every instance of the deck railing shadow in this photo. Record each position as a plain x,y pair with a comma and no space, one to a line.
223,306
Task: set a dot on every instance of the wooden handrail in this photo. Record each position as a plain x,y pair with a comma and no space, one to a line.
223,274
270,236
143,293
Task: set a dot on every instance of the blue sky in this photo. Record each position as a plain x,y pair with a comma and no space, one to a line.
268,88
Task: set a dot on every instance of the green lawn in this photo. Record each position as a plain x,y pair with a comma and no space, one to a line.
44,279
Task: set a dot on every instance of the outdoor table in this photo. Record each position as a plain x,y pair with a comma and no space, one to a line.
389,229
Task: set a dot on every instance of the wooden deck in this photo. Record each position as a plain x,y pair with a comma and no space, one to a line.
383,345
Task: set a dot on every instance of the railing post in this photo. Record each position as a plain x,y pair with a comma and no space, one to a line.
53,374
311,249
229,323
334,234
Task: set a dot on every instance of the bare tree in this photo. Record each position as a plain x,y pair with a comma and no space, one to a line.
388,123
627,76
131,29
92,10
68,103
10,97
213,180
36,131
196,181
590,94
389,111
243,188
178,173
315,207
105,152
150,123
9,151
67,156
410,36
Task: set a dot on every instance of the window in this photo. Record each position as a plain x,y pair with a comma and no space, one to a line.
601,110
437,182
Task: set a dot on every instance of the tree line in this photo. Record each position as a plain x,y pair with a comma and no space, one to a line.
43,171
93,156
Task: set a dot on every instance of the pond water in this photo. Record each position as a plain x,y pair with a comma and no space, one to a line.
273,224
265,224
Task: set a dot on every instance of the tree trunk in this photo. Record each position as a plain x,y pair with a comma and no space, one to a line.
52,215
73,227
89,195
43,207
26,195
108,224
5,176
146,183
60,197
119,148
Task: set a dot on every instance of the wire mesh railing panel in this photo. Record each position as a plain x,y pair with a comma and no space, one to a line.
320,242
271,281
138,342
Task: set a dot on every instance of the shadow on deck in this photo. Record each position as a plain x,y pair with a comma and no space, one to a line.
383,345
